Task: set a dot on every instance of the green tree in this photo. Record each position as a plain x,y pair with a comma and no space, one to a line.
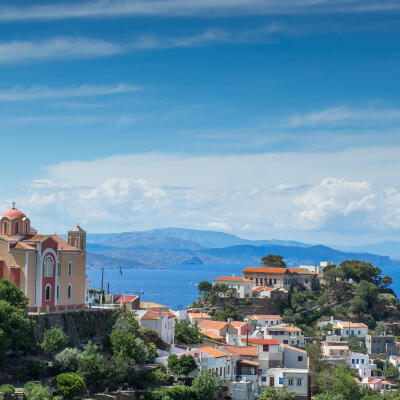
181,366
16,330
220,289
317,364
119,370
326,396
127,344
69,385
276,394
67,360
386,281
152,352
92,367
35,391
126,321
392,373
339,381
360,270
13,294
7,391
186,334
204,287
207,385
273,260
55,340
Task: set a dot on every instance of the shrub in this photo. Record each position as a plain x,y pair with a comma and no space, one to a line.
67,360
54,340
152,350
7,390
69,385
35,391
32,369
161,378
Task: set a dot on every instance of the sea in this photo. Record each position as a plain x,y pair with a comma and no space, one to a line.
176,285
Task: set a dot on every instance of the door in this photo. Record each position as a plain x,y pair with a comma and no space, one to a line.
272,381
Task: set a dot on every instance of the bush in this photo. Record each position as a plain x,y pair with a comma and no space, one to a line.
35,391
7,390
30,370
67,360
54,340
69,385
152,352
161,378
206,385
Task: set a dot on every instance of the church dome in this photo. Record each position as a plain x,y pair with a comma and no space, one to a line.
13,213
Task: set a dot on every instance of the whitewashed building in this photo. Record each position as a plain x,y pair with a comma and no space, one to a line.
240,287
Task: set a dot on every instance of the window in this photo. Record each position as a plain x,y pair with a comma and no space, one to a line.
274,281
16,228
69,290
48,293
48,267
299,381
290,382
5,228
70,268
281,381
353,361
300,358
265,347
362,361
264,379
58,268
58,292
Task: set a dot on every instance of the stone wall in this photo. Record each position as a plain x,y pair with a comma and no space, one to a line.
80,326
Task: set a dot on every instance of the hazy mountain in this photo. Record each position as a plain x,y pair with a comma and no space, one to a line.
388,248
96,260
206,239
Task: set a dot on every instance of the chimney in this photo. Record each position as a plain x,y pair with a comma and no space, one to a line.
331,319
229,320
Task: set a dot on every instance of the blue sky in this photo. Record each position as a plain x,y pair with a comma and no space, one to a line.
258,117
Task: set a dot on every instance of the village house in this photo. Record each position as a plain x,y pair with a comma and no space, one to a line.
215,329
242,330
294,357
378,383
238,286
196,318
381,344
266,292
294,380
50,270
265,320
286,334
161,321
276,277
335,353
269,352
130,302
342,330
362,363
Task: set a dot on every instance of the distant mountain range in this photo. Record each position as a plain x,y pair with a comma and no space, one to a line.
157,247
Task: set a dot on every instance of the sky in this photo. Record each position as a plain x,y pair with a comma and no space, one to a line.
261,118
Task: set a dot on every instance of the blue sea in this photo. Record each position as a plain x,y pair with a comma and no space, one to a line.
176,285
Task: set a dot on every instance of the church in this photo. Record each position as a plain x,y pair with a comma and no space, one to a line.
50,270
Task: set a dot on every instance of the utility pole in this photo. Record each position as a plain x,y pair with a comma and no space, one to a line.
101,290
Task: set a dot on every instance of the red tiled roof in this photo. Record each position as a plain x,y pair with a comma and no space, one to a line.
301,271
238,324
34,238
261,341
62,244
262,289
13,213
212,324
126,299
154,315
256,317
249,363
266,270
199,315
294,348
210,334
212,352
23,246
245,351
232,279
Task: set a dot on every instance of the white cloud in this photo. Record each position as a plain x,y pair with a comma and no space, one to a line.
41,92
56,48
184,8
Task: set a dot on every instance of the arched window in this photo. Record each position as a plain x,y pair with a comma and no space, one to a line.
5,228
69,290
58,292
70,268
48,292
48,267
16,228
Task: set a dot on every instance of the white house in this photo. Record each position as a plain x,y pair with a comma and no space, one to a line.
345,329
295,380
294,357
286,334
270,353
317,269
265,320
241,287
362,363
161,321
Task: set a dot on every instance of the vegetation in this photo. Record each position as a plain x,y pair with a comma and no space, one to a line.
186,334
273,260
69,385
35,391
229,311
54,340
204,287
181,366
7,391
207,385
67,360
273,394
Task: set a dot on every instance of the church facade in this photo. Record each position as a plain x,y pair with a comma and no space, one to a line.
50,270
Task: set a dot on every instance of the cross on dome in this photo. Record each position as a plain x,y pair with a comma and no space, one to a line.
13,205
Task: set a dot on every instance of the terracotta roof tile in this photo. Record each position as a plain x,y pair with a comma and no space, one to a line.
266,270
238,324
245,351
260,316
212,324
154,315
34,238
22,246
249,363
294,348
126,299
232,279
210,334
199,315
62,244
301,271
212,352
261,341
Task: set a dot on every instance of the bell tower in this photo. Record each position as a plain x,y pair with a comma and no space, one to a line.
77,238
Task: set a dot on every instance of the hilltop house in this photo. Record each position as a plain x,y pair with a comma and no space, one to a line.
281,277
241,330
50,270
265,320
286,334
342,330
196,318
238,286
381,344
